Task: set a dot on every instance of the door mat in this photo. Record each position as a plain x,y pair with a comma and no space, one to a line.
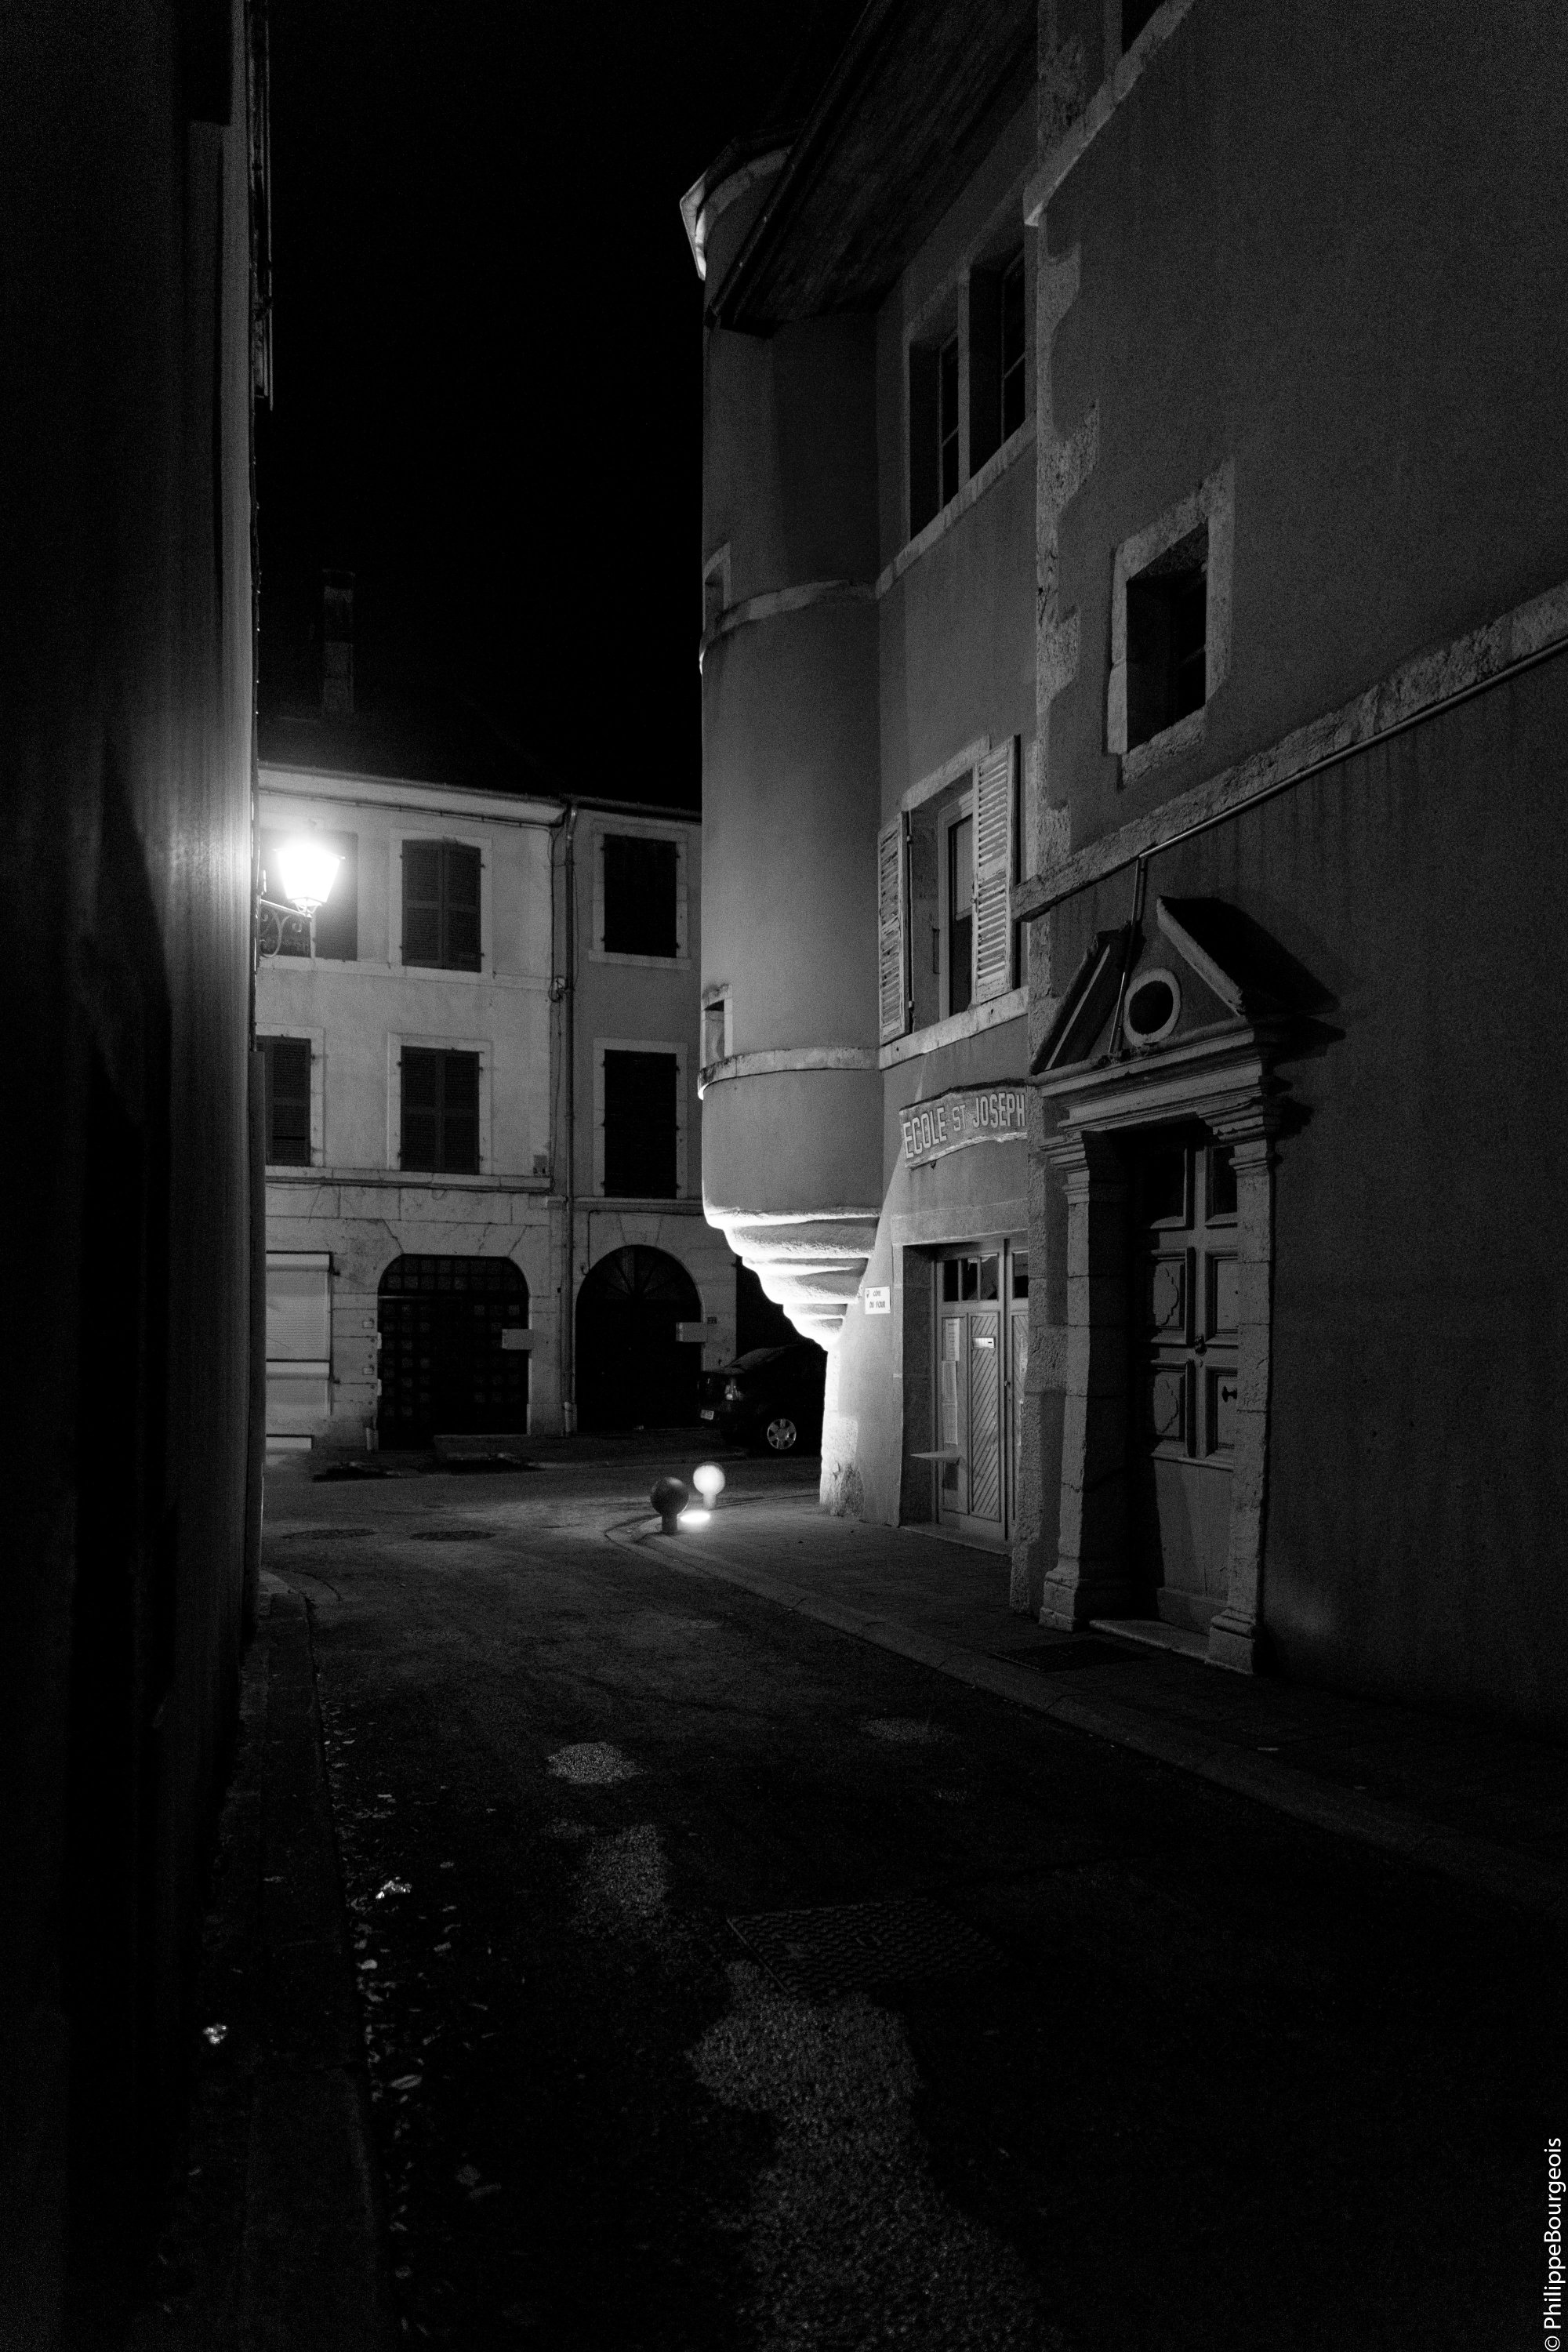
842,1947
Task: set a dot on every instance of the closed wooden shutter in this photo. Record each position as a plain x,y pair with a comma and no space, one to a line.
892,922
994,796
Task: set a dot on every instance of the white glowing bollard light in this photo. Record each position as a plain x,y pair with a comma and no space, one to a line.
709,1481
306,872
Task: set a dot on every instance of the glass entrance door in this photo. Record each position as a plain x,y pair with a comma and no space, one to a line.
982,1352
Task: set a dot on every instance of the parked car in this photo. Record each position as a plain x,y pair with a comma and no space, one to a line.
770,1398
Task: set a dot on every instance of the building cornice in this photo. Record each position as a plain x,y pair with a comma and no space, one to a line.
353,788
773,1060
1419,689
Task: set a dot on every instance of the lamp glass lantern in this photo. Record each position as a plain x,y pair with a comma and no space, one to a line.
306,872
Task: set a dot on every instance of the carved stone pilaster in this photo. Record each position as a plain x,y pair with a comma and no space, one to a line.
1092,1576
1236,1633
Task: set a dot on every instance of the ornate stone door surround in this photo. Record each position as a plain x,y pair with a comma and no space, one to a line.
1222,1078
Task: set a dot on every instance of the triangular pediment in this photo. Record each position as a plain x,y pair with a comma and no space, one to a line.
1197,971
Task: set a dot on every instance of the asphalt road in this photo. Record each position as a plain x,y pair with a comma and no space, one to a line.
1157,2068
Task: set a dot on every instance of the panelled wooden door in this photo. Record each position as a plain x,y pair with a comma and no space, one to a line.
1185,1334
982,1322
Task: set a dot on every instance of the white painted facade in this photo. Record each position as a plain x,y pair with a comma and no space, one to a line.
335,1226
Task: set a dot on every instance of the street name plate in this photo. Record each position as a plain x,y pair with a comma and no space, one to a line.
967,1114
879,1298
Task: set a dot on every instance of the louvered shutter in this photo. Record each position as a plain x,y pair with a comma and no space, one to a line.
890,925
994,796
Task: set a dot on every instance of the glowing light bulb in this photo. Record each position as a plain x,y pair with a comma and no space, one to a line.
709,1481
306,872
694,1517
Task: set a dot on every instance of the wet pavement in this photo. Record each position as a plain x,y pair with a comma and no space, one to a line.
732,1982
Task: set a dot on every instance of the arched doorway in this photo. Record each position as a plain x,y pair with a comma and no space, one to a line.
633,1369
454,1360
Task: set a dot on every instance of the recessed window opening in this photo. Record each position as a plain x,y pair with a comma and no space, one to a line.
998,372
933,424
947,429
1015,374
716,1030
440,1111
287,1067
641,890
441,905
640,912
1167,607
641,1125
960,914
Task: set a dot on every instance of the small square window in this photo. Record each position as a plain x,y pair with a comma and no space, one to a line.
1167,620
440,1104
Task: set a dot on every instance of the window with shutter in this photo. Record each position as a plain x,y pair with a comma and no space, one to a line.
440,1105
441,905
993,797
891,951
286,1064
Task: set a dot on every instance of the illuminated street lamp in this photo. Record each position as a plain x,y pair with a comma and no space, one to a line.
709,1481
306,871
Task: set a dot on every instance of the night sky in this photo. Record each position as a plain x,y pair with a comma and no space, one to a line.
487,366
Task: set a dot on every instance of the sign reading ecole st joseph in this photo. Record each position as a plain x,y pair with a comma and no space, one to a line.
968,1115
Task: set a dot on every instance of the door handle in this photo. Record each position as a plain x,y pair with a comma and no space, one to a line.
1200,1346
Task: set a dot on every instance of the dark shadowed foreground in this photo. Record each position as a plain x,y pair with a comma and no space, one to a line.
1060,2047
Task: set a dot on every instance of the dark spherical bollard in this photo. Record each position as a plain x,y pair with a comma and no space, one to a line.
669,1497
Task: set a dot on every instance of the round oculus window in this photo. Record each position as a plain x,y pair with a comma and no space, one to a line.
1152,1004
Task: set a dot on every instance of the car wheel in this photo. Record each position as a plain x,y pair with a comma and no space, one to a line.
780,1434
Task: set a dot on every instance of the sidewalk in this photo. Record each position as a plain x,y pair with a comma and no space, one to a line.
1457,1798
275,2243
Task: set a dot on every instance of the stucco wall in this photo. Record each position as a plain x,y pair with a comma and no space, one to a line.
789,766
1334,263
1416,1489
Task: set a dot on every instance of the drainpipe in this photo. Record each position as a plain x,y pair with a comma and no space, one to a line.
567,981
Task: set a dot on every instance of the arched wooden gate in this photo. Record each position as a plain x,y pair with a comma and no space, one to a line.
450,1364
634,1371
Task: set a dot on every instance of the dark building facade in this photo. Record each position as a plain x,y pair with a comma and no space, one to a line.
1298,347
125,699
1282,860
